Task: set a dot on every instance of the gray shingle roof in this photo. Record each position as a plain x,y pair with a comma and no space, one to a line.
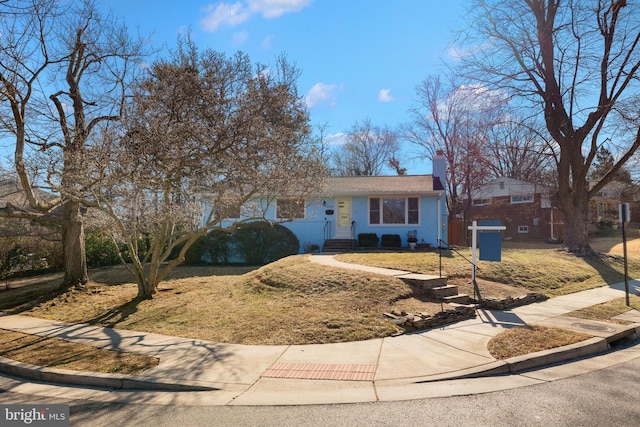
361,185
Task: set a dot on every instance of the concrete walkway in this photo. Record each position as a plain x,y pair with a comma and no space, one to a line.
196,372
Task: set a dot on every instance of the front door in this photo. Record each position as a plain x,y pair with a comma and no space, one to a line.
343,226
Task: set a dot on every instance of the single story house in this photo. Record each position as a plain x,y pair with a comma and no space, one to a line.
353,205
523,207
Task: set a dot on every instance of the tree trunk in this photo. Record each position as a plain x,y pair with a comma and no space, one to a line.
75,260
146,288
574,204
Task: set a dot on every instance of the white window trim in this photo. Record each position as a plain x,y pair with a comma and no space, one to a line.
523,229
523,201
406,211
482,201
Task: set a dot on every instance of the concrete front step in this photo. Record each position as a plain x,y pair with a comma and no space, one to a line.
338,245
462,299
442,291
424,282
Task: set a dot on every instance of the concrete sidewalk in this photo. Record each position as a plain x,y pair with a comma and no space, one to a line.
196,372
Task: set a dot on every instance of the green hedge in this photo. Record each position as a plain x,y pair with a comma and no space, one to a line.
254,243
261,242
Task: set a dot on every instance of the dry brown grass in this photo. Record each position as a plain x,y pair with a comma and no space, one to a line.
57,353
525,267
523,340
292,301
608,310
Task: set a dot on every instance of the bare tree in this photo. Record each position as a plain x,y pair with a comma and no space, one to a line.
202,126
518,150
577,63
368,150
456,118
64,70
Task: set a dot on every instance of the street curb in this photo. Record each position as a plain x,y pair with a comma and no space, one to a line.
586,348
525,362
513,365
95,379
560,354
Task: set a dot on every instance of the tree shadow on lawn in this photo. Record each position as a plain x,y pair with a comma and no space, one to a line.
603,265
18,300
119,274
112,317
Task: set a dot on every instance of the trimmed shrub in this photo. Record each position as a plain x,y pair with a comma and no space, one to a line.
260,242
367,240
28,255
100,249
391,241
212,248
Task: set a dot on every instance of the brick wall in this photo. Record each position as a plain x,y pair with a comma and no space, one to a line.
518,217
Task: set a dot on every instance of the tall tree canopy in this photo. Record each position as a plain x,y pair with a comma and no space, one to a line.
368,150
456,118
64,70
202,126
577,63
518,149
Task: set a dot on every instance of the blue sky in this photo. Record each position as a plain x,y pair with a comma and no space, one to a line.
359,59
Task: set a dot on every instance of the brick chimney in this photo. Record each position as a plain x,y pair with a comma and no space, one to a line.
439,170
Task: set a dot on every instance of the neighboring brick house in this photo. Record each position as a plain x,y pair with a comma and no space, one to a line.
523,207
604,205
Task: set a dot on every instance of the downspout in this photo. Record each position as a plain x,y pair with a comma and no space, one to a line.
439,220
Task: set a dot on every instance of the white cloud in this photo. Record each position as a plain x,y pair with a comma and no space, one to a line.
235,14
457,53
385,95
321,93
267,43
223,13
336,139
275,8
240,38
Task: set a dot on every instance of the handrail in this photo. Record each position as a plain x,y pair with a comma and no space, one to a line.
353,226
327,230
476,290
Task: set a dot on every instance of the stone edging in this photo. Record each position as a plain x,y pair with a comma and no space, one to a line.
419,321
511,302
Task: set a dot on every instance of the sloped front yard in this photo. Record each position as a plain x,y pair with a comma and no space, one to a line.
294,301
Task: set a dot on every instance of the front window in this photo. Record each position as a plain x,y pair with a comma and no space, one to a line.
290,208
226,209
394,210
374,210
522,199
481,202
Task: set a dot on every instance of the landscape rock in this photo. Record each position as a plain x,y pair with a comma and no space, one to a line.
510,302
420,321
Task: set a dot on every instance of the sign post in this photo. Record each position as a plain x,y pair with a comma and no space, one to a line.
624,215
475,228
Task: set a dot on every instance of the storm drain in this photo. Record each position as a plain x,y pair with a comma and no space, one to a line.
309,371
593,327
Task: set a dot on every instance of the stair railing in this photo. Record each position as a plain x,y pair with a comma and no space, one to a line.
327,230
476,290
